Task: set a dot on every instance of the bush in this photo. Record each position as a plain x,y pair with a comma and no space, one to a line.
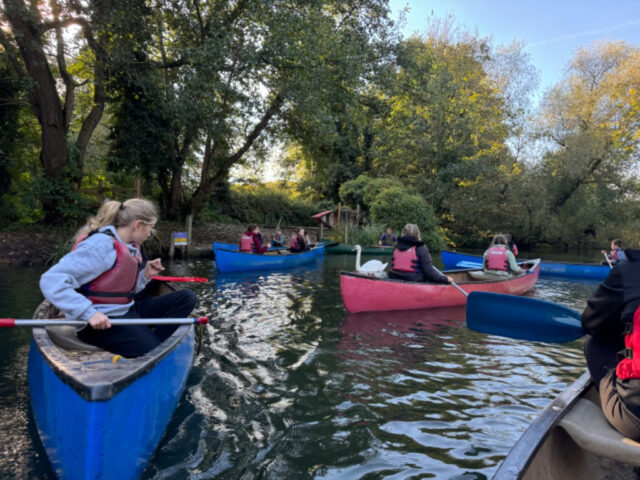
360,235
396,207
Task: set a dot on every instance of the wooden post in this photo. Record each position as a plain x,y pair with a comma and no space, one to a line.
171,246
321,231
189,228
339,212
138,185
346,233
358,214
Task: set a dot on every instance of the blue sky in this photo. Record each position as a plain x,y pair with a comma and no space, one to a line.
552,30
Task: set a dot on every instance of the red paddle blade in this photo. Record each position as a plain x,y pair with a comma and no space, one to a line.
179,279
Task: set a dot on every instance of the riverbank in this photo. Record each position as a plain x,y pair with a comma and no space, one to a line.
40,245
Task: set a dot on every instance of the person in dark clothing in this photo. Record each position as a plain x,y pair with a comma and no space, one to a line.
412,261
612,319
298,242
387,239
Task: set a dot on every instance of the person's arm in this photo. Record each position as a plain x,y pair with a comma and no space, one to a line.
513,264
429,274
601,316
259,247
58,284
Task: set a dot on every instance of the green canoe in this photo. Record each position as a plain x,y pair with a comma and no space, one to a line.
334,248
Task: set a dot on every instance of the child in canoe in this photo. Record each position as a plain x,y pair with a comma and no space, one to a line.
99,279
616,255
498,258
251,240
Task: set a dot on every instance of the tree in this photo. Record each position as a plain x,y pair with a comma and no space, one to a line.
245,72
39,43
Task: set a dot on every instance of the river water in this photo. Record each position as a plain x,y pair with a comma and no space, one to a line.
288,385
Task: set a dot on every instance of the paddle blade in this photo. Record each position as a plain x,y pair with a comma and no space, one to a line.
179,279
522,318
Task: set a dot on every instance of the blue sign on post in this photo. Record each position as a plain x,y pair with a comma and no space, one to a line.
180,239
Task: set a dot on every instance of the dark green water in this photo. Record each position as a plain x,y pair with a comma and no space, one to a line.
287,385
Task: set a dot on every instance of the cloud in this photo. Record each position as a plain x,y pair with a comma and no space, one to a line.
587,33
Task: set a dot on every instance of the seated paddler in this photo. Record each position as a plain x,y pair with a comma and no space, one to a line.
299,242
99,279
251,240
498,259
411,259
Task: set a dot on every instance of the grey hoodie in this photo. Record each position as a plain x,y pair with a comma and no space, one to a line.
93,256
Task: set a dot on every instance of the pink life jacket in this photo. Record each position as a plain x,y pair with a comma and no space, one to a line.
246,243
293,243
497,258
118,284
405,261
629,366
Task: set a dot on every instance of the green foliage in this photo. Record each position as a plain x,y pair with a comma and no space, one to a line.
264,205
358,234
395,207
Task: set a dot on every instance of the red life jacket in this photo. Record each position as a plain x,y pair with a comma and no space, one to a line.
246,243
405,261
629,366
118,284
497,258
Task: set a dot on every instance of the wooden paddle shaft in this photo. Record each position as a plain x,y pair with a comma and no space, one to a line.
13,322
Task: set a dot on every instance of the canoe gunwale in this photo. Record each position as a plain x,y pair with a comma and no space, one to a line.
532,265
524,451
104,382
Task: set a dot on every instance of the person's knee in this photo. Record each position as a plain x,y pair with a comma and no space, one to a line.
187,299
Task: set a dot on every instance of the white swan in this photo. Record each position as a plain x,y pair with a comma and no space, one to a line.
372,267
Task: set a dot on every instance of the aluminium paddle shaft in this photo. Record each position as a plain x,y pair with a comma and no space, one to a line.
51,322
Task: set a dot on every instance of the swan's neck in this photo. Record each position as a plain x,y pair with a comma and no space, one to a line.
358,259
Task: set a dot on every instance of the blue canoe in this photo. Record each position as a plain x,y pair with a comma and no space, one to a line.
99,419
547,269
228,260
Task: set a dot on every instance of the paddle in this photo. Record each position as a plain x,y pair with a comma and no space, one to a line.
179,279
14,322
452,282
607,258
522,318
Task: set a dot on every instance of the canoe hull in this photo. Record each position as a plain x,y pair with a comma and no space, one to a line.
234,261
547,269
551,447
111,437
362,293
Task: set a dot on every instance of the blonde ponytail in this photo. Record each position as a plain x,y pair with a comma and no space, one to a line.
120,214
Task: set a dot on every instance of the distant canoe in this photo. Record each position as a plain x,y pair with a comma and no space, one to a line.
547,269
572,440
97,417
234,261
344,249
364,293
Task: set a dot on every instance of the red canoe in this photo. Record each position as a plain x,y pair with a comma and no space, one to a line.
365,293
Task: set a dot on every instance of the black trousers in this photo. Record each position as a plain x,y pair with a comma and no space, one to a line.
136,340
602,360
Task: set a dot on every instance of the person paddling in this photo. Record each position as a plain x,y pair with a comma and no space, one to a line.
99,279
612,318
498,258
411,259
251,240
616,255
298,242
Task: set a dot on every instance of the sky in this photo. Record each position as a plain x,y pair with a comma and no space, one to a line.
552,30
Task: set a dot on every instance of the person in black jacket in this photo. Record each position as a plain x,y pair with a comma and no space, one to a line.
608,316
411,259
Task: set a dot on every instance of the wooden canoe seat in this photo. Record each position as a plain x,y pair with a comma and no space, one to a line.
65,337
588,427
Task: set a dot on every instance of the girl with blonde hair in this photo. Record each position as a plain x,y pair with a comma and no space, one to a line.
498,258
100,277
411,259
